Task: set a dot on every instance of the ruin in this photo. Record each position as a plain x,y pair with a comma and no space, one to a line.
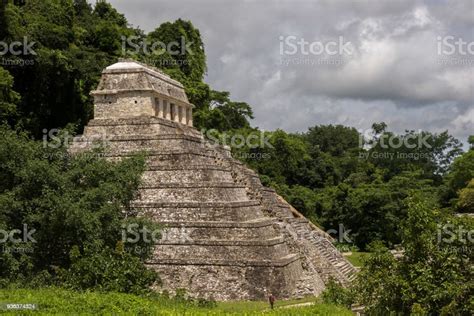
243,240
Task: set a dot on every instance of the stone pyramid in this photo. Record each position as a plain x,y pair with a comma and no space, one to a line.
242,239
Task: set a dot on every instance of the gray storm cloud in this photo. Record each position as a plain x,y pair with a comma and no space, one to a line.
401,69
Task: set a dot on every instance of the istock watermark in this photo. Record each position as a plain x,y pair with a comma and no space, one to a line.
57,138
144,238
292,45
17,235
149,49
17,238
455,51
450,233
296,50
134,233
18,50
341,234
414,146
417,140
233,140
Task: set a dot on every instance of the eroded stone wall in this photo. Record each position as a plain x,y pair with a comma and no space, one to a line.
124,105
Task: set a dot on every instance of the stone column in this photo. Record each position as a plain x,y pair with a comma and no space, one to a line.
184,115
166,109
179,112
160,106
175,111
189,116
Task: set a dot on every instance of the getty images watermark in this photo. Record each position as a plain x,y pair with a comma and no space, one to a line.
296,50
419,141
455,51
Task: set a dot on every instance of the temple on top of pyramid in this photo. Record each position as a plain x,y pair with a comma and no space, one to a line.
129,88
242,240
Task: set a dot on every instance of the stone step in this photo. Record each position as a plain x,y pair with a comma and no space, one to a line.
235,211
136,126
237,279
200,204
172,152
193,185
257,223
165,175
193,167
346,270
141,120
222,249
180,160
117,145
278,262
181,231
192,192
278,240
353,276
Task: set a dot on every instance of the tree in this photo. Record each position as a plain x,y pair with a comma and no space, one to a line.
75,208
71,46
465,203
431,153
333,139
371,211
106,12
8,98
434,275
3,24
184,46
458,177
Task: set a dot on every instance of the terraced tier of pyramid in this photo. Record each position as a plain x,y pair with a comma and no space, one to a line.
228,237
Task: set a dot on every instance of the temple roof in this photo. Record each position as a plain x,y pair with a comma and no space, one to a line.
130,75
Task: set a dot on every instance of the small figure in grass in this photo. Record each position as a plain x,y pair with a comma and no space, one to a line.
271,300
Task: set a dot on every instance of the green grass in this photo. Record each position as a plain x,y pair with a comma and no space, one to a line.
240,306
357,258
56,301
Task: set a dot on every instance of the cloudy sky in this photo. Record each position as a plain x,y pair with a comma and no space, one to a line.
302,63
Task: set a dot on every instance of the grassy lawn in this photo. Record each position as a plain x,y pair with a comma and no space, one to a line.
240,306
356,258
55,301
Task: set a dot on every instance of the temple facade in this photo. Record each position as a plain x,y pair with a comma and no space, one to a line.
131,89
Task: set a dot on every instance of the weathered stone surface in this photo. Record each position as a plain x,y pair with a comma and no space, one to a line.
225,235
130,89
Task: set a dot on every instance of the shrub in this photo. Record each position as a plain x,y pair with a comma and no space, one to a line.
76,206
338,295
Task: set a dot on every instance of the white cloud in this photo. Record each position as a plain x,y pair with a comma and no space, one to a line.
395,74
